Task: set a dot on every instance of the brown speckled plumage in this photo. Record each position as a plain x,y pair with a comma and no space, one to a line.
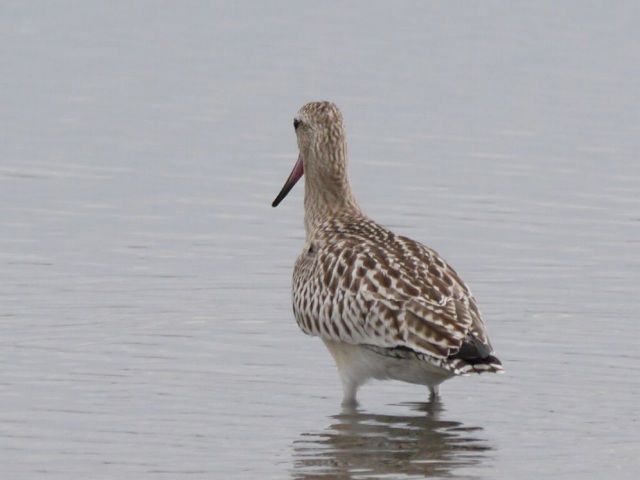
385,305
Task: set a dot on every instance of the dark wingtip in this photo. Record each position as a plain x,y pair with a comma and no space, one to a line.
478,355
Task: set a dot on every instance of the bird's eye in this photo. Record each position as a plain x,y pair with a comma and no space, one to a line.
296,123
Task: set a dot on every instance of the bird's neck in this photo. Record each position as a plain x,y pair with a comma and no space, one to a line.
327,194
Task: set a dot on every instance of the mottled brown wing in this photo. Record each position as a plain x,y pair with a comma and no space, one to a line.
404,296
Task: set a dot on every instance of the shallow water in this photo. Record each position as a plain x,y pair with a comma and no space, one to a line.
146,325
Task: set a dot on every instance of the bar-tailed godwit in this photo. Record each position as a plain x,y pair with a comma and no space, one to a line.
386,306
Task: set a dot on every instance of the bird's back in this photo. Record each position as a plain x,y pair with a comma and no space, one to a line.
358,283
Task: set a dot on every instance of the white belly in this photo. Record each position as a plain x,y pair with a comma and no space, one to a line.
357,364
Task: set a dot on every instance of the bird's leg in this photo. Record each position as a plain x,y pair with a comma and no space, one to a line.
350,389
434,392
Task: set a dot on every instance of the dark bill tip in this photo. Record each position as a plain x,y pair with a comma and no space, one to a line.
294,176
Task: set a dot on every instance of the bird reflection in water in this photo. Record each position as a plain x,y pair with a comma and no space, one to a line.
364,445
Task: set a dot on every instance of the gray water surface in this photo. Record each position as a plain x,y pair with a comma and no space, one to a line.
146,327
